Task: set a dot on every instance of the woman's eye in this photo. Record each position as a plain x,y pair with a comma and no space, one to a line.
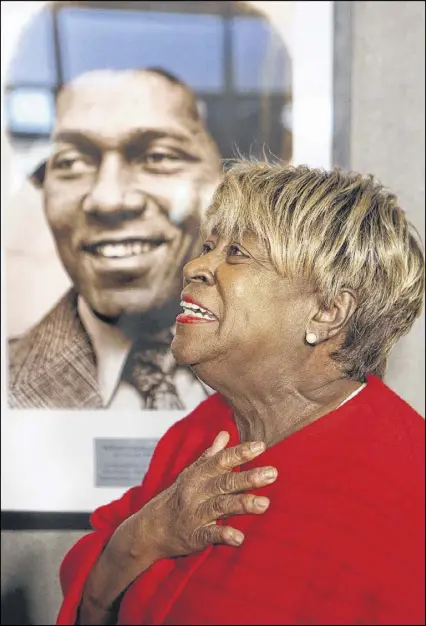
205,249
235,251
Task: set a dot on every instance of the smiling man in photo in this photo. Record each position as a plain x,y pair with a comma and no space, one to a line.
131,169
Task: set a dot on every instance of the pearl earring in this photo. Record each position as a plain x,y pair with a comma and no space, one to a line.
311,338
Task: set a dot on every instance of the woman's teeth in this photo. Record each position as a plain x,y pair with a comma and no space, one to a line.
196,311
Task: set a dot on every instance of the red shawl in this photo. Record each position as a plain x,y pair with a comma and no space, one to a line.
341,543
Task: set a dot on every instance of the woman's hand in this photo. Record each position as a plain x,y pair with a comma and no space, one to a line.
182,519
179,521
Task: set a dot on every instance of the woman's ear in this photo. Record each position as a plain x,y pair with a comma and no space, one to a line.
327,323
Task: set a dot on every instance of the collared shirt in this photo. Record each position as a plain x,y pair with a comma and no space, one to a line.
111,347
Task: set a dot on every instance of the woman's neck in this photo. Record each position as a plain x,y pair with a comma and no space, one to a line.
270,408
280,416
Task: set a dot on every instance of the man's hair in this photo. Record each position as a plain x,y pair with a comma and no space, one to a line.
177,82
338,230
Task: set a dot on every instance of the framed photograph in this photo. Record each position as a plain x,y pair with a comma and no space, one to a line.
117,121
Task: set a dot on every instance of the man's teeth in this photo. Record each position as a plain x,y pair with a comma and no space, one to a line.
196,311
122,250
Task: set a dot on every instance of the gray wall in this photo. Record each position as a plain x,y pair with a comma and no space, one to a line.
379,128
30,560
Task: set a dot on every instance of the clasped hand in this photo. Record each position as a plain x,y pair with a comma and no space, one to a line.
182,519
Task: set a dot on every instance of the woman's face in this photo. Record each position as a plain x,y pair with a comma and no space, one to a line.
256,316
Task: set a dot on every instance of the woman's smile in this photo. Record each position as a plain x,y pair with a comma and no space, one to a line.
194,312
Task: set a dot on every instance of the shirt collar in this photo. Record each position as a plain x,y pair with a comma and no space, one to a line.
111,347
352,395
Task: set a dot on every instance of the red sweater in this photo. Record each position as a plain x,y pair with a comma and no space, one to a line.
341,543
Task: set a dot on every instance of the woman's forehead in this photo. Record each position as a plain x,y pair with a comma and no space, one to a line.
246,237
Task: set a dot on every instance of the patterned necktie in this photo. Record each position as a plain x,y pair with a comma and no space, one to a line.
149,369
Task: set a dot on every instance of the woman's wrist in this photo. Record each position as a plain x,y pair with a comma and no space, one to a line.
133,545
128,553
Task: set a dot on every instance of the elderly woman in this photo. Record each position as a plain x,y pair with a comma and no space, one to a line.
294,495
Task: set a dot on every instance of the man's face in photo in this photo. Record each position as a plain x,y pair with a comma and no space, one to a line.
132,167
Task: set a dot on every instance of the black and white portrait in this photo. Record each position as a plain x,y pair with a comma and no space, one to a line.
120,116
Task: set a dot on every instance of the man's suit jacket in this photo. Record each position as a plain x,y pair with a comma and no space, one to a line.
53,365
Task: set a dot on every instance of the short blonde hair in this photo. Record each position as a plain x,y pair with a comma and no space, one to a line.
339,230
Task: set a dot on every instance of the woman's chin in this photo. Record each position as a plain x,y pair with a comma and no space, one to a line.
183,353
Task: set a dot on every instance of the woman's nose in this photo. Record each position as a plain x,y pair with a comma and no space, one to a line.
199,270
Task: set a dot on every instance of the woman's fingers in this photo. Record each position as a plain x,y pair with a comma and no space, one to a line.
213,534
215,468
210,490
227,459
235,482
220,442
227,505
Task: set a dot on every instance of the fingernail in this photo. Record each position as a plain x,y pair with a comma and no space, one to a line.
237,538
270,473
262,503
257,446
